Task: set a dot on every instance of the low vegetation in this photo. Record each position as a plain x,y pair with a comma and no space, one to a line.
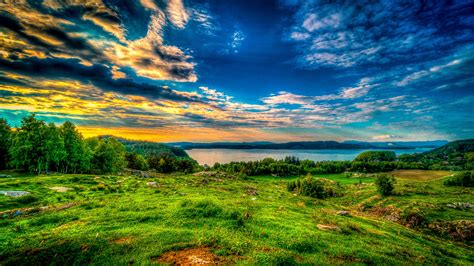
463,179
176,218
385,184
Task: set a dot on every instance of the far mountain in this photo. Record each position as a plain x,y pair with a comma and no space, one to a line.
311,145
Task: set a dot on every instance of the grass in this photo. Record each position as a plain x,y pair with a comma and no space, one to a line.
122,220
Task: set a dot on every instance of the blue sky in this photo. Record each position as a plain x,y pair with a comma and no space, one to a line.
214,70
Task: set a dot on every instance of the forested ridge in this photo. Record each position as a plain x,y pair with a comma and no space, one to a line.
37,147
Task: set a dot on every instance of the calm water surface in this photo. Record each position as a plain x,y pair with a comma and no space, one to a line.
211,156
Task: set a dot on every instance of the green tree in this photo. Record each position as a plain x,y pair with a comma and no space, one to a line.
385,184
54,147
78,155
28,148
136,161
109,156
5,143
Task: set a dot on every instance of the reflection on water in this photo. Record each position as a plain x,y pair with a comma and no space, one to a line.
211,156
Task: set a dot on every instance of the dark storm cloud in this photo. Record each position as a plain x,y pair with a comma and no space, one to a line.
98,75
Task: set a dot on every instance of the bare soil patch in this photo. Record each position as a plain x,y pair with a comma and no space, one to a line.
420,175
122,240
60,189
192,256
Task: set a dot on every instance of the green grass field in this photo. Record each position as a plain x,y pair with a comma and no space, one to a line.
193,219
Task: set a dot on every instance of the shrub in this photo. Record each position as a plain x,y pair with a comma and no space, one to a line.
464,179
385,184
313,187
413,217
200,209
26,199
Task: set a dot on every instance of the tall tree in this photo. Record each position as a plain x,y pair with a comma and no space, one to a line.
28,147
55,150
77,156
5,143
109,156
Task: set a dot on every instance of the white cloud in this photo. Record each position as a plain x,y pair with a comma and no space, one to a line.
177,13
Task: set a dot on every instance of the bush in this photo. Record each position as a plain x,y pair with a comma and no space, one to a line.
385,184
313,187
200,209
27,199
464,179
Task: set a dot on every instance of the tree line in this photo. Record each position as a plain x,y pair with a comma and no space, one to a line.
37,147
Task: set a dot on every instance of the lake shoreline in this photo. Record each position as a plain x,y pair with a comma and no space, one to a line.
211,156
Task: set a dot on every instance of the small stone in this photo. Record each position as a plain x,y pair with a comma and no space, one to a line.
12,193
343,213
152,184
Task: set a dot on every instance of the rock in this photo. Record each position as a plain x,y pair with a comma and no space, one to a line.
343,213
144,174
152,184
60,189
13,193
460,205
329,227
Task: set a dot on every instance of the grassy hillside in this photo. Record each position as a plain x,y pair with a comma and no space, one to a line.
213,217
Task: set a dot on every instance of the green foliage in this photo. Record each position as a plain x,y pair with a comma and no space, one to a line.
29,151
166,164
78,154
136,161
385,184
109,156
27,199
147,149
376,156
290,166
313,187
456,156
199,209
5,143
463,179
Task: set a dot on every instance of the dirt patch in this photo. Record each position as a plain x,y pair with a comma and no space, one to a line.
192,256
420,175
60,189
122,240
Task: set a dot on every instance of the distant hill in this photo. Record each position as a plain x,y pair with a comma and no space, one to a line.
403,144
456,155
311,145
151,148
452,149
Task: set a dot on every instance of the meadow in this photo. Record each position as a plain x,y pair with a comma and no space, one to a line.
211,217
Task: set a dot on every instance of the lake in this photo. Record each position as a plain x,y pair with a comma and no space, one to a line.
211,156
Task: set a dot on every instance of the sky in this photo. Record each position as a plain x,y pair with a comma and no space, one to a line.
242,70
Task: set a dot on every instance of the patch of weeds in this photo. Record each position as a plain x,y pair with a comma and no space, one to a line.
199,209
52,219
27,199
306,244
92,205
277,257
